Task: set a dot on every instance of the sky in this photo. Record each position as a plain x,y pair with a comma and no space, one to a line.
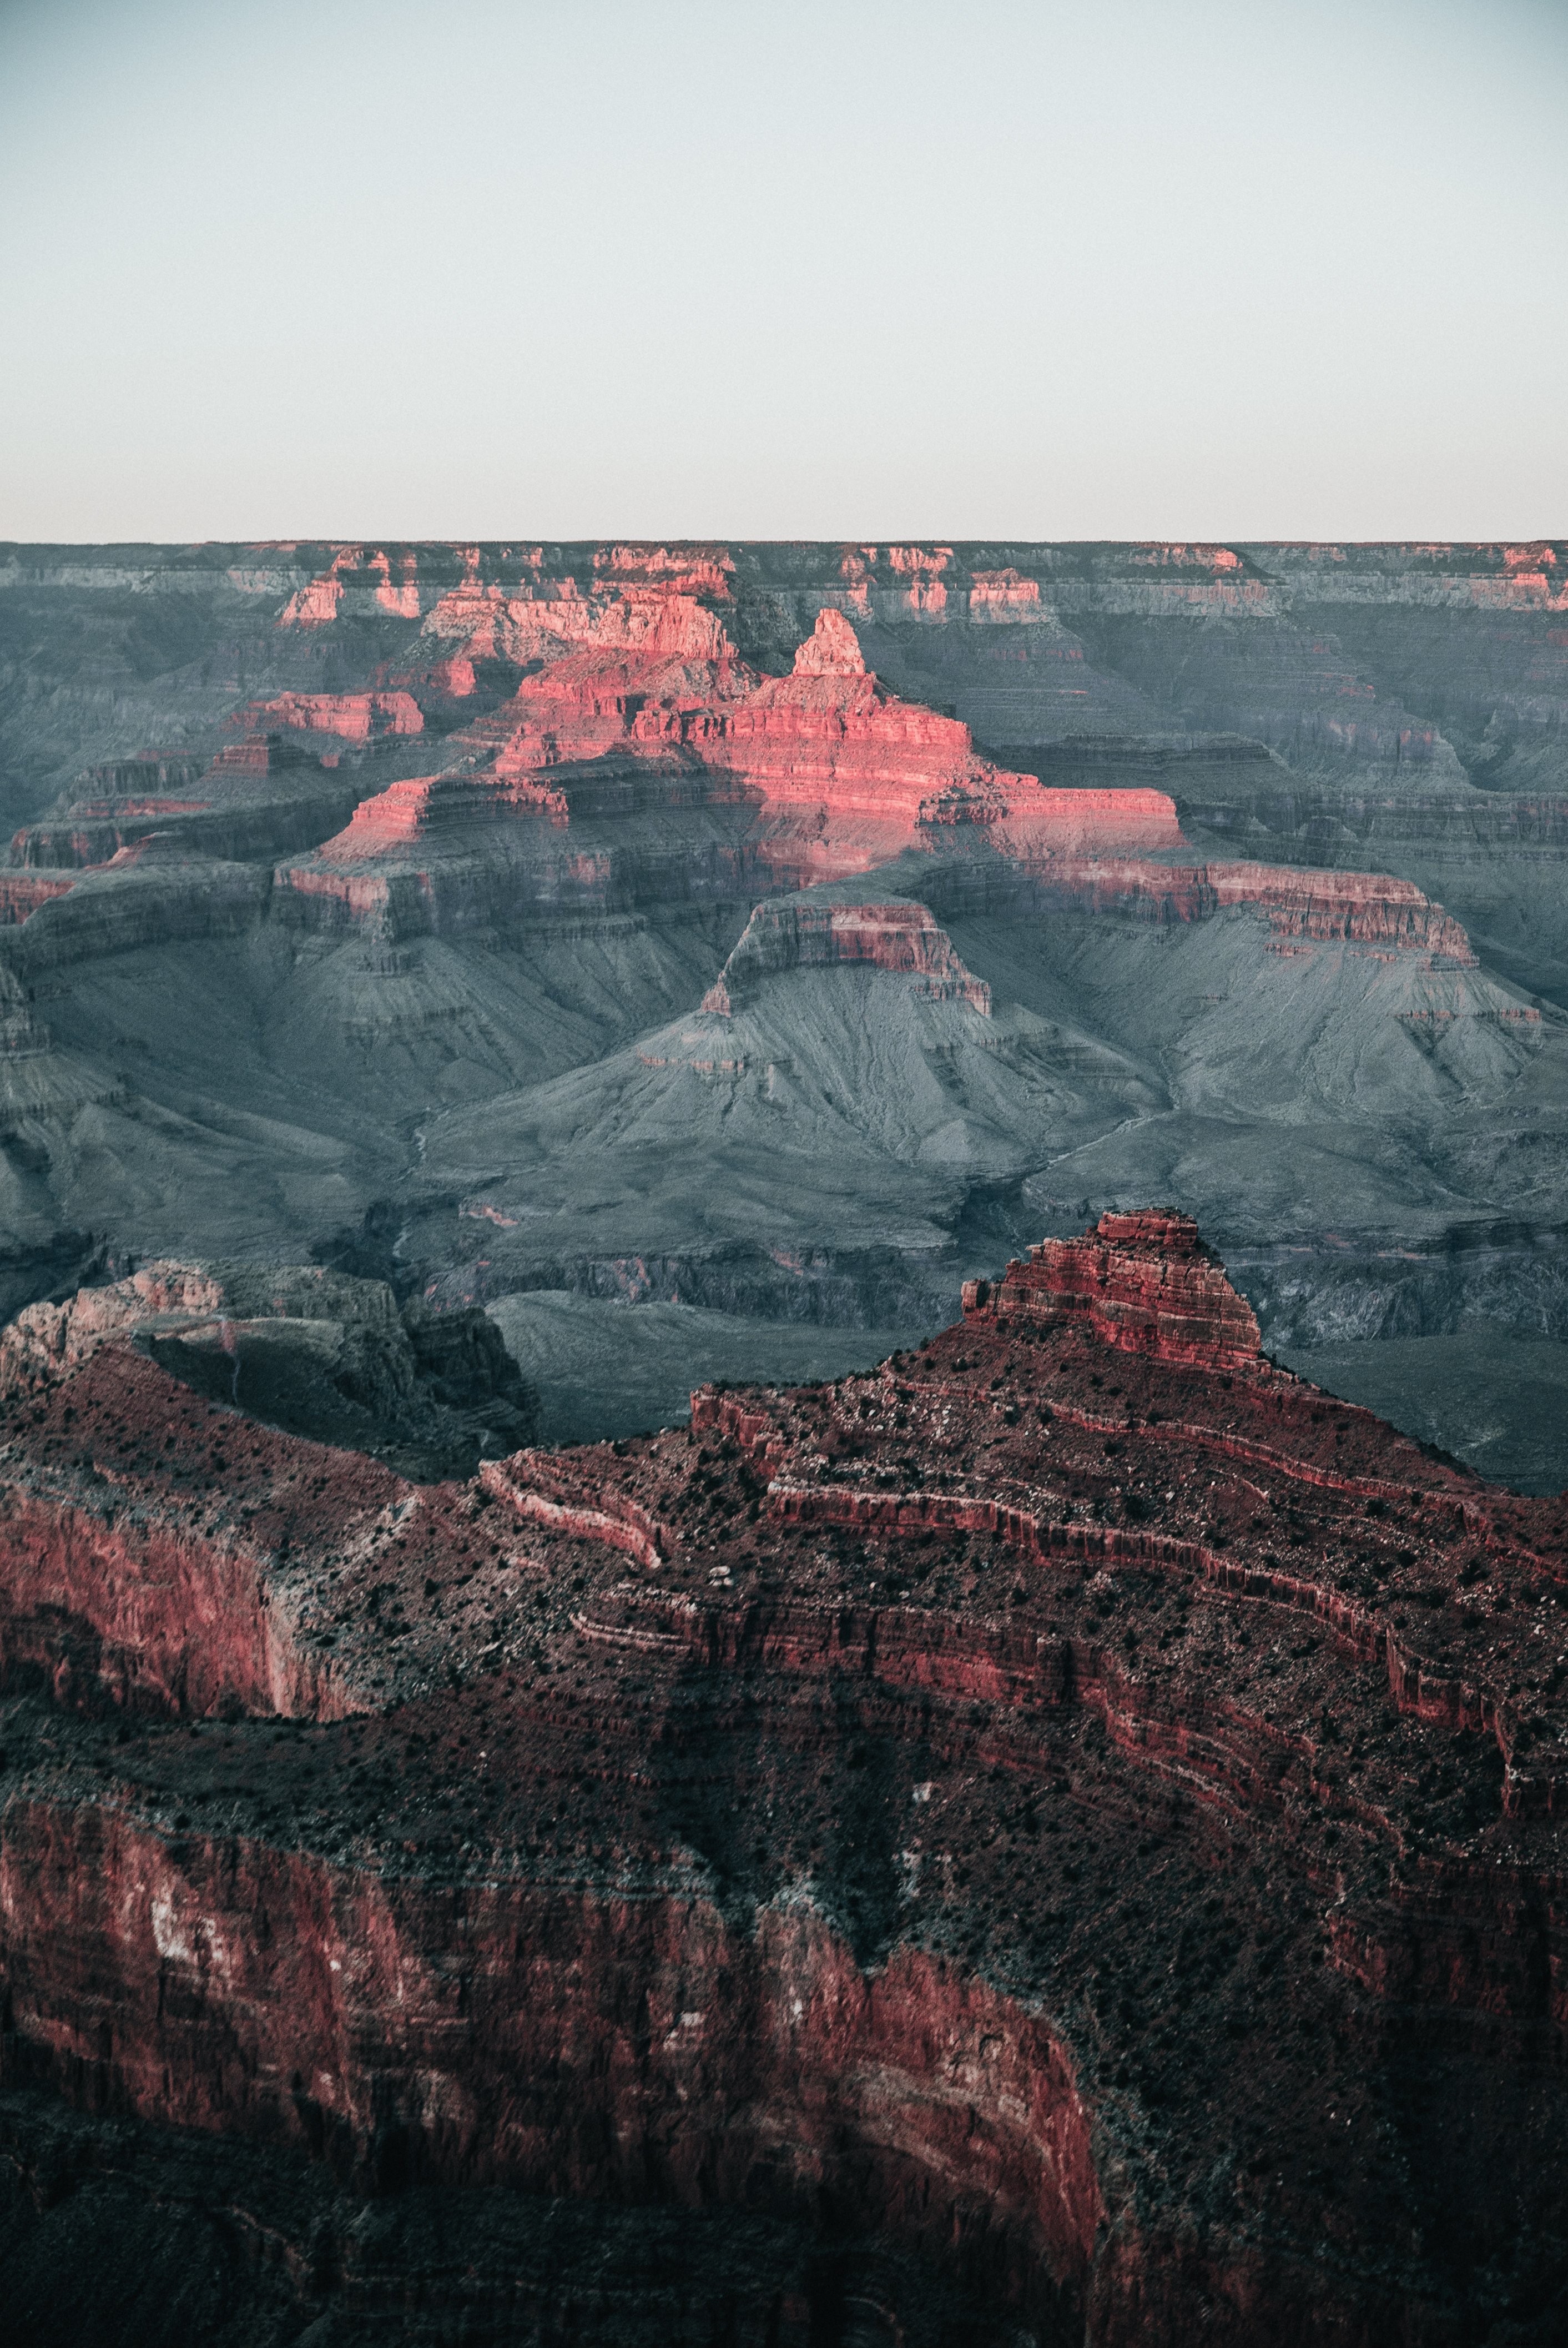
656,268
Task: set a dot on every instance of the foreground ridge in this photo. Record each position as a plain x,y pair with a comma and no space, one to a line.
1073,1816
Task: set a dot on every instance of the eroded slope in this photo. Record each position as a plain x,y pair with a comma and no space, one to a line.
1077,1806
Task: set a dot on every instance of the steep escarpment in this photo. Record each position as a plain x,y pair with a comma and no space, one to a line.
1063,1826
1372,908
316,1352
632,705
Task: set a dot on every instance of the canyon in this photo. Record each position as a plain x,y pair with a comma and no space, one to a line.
1055,1837
1238,872
784,1370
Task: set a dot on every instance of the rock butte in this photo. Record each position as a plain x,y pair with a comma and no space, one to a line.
634,699
1066,1824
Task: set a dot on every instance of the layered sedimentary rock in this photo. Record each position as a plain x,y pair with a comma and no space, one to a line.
1373,908
308,1350
1068,1821
759,780
799,779
790,935
1144,1283
321,850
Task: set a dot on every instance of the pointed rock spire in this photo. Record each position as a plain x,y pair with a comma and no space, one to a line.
833,648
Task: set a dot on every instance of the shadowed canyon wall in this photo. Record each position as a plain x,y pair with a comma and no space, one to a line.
1057,1835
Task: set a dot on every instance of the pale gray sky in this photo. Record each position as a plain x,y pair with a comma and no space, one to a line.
1122,268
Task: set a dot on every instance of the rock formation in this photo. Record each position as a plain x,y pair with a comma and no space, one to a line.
634,700
1059,1835
1144,1283
317,1352
353,887
794,935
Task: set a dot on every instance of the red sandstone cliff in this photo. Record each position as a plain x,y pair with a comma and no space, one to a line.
634,697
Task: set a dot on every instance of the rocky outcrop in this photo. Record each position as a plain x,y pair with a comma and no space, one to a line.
658,687
553,618
47,1342
319,1353
141,899
1035,1808
902,937
361,582
352,717
982,2156
1372,908
1369,907
256,799
642,705
1144,1283
544,1492
22,893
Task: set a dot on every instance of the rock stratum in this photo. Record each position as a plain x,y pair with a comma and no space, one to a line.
1057,1838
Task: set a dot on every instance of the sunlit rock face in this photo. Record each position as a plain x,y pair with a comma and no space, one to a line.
1045,1834
800,934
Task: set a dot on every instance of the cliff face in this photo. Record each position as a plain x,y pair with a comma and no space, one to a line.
820,774
316,1352
1371,908
901,937
635,700
1027,1817
1144,1282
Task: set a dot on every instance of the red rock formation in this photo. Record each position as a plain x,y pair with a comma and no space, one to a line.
1143,1282
544,1492
314,606
359,582
681,570
22,893
753,2056
1004,595
915,561
355,716
551,618
1369,908
1372,907
1034,1802
47,1342
836,773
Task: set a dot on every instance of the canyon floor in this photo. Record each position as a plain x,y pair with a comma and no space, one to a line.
676,1662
